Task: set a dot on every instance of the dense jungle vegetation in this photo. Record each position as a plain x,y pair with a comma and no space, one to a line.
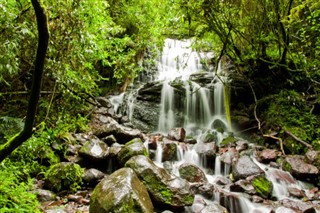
97,47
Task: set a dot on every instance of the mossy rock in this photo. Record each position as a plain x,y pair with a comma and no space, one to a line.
132,148
165,189
263,186
64,176
210,137
121,192
228,140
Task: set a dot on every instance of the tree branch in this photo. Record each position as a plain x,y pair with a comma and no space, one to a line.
43,40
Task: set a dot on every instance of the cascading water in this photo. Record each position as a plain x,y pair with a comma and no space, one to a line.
199,108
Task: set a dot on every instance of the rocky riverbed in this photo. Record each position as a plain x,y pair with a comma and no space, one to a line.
127,170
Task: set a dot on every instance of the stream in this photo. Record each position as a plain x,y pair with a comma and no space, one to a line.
192,97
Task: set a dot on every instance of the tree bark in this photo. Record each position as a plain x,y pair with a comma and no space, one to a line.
43,39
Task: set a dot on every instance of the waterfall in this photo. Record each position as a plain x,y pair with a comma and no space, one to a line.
200,105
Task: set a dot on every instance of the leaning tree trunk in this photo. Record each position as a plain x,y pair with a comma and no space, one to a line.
43,39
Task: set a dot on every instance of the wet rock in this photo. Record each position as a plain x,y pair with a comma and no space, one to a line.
243,186
103,126
304,207
298,168
242,145
192,173
153,140
132,148
104,102
115,149
190,140
165,189
209,137
44,195
204,189
283,209
146,114
222,181
169,150
92,176
268,155
202,206
295,192
244,168
206,149
101,110
59,209
313,157
122,191
94,150
63,176
75,198
219,125
109,140
229,156
257,199
262,186
177,134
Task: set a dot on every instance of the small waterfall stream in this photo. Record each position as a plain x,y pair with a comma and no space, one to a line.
199,108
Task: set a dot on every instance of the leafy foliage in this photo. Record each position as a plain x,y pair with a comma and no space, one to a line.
15,194
290,111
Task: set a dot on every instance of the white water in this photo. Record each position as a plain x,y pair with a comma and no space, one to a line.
116,101
200,105
197,110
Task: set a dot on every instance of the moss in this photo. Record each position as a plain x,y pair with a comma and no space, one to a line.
157,186
286,166
189,199
135,140
210,137
228,140
262,186
67,176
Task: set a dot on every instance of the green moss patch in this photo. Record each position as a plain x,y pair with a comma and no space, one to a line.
263,186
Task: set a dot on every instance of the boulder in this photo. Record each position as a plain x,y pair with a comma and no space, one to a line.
104,102
94,150
243,186
192,173
110,139
44,195
169,150
313,157
229,156
103,126
244,168
209,137
298,168
132,148
177,134
63,176
115,149
262,186
122,191
268,155
298,206
206,149
165,189
295,192
204,189
201,205
92,176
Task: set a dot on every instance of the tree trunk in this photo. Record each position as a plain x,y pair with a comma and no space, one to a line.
43,38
